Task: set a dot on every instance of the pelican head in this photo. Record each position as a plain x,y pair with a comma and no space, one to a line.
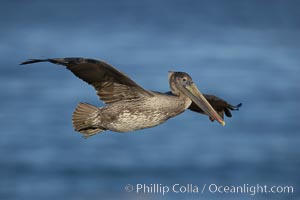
182,85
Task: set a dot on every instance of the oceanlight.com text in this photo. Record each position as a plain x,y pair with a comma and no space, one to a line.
212,188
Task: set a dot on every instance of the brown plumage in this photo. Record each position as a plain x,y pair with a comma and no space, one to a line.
129,107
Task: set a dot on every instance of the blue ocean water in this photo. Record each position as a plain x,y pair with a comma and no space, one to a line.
243,51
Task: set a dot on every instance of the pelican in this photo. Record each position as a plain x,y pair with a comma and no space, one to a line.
128,106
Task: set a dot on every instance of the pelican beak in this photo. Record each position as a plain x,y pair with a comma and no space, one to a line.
197,97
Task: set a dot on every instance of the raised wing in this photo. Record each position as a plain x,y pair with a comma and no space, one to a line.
220,105
111,84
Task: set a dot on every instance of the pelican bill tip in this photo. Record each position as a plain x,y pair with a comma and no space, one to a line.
223,123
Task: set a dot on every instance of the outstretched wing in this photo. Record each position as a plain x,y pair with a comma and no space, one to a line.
111,85
220,105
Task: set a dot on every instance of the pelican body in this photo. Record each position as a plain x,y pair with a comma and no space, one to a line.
129,107
138,114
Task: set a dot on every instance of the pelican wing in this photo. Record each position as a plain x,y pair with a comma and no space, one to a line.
111,85
220,105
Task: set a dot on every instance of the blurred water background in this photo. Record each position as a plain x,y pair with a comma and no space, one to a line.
242,51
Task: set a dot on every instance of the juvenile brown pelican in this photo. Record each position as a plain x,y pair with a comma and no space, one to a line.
129,107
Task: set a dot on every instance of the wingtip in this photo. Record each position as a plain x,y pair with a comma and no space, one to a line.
26,62
235,107
30,61
238,106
